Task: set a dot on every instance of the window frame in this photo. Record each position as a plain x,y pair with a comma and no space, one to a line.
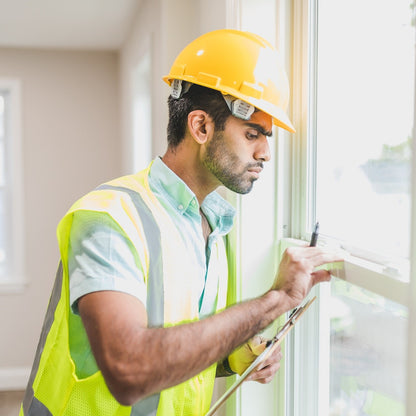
360,271
294,217
370,272
15,280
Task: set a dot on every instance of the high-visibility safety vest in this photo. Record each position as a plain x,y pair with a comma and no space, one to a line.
54,388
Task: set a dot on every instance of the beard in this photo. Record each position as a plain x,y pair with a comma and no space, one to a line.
227,167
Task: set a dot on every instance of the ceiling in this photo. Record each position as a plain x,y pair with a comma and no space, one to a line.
66,24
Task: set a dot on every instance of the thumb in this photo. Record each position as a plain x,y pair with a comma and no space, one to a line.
257,345
319,276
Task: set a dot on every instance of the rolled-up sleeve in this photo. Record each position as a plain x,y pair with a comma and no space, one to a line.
101,257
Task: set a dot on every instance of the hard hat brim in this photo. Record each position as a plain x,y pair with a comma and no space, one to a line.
279,117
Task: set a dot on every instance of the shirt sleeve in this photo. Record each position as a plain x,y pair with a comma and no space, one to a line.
101,257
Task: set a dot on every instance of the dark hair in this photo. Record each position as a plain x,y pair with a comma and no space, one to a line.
197,98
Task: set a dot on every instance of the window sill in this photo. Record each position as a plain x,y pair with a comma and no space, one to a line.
372,276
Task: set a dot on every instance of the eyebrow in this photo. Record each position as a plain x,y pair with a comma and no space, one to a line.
260,129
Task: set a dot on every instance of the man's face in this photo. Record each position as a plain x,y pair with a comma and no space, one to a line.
235,156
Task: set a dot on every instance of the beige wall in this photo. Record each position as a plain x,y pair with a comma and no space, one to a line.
71,143
77,133
162,27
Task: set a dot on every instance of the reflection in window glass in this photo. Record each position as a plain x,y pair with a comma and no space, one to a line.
368,350
364,122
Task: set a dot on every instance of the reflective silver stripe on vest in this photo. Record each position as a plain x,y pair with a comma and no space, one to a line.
155,308
155,292
31,405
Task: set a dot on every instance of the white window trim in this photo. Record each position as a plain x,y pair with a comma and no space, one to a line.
15,282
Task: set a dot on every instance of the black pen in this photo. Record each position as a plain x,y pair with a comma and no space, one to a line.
314,237
314,240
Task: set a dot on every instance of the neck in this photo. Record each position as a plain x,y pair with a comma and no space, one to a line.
188,167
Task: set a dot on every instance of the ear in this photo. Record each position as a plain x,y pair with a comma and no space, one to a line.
200,125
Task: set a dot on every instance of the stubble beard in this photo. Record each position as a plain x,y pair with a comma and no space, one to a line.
226,166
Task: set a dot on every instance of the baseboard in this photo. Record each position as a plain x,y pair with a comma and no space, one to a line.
14,378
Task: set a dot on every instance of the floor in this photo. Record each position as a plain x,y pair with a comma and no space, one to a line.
10,402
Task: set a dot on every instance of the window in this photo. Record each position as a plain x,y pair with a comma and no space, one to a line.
364,120
367,348
142,111
354,150
351,68
11,218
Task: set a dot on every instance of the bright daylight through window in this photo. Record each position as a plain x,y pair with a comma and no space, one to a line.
364,120
364,123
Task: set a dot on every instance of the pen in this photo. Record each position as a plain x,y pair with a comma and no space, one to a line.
314,237
314,240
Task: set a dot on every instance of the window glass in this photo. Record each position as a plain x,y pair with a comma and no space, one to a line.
364,121
367,353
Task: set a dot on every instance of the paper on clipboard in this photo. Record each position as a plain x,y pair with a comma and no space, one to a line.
270,347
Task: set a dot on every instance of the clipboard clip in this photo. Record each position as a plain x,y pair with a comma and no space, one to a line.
293,312
293,318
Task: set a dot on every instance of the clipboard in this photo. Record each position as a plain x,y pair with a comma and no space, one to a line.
271,345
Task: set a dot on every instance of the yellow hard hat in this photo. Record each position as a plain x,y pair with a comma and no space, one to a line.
240,64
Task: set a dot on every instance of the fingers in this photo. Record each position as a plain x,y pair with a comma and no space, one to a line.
316,255
298,272
321,276
267,370
274,357
265,375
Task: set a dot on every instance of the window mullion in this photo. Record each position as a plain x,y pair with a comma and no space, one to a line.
411,354
300,108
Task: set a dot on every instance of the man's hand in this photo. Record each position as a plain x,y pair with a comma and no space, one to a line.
268,368
297,274
243,356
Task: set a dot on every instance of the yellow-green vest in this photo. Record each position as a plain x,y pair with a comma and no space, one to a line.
54,388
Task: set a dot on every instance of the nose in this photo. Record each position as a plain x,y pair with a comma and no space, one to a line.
262,150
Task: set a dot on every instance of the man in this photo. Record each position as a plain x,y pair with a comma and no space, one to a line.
137,321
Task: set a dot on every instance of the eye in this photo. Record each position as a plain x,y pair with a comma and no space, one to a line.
252,134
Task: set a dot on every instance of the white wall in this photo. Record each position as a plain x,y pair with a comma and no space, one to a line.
71,143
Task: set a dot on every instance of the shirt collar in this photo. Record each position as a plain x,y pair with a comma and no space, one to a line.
218,211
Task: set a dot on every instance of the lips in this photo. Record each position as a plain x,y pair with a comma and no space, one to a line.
255,171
